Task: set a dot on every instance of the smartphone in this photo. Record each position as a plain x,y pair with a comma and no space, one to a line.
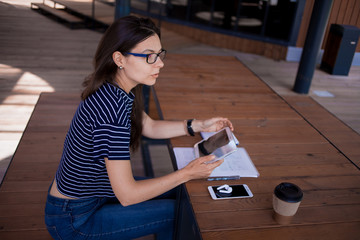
238,191
220,144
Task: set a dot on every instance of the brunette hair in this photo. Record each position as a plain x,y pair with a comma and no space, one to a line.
123,35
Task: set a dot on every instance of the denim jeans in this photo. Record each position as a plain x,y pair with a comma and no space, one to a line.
106,218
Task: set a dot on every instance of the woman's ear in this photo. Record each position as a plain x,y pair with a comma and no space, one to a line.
118,58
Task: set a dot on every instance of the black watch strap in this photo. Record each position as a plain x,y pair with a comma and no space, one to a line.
189,128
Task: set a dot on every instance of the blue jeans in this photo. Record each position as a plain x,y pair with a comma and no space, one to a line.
106,218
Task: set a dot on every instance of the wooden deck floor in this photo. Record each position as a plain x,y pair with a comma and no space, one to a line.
40,55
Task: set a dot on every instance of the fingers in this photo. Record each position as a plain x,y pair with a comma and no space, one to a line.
216,163
207,158
201,168
215,124
229,124
211,166
224,122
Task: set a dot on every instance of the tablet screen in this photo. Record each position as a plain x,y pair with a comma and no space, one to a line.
220,144
217,140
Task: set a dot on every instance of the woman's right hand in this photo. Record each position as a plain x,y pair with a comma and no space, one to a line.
200,168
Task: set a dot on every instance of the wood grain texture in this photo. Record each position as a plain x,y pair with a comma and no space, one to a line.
39,55
289,139
345,12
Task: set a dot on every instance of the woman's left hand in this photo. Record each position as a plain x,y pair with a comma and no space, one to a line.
212,124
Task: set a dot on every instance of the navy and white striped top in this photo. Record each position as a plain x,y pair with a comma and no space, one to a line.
100,128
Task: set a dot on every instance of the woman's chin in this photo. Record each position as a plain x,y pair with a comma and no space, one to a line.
151,82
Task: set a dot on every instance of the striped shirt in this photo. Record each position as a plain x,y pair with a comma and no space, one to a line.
100,128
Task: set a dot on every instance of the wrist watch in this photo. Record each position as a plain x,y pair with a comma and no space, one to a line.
189,128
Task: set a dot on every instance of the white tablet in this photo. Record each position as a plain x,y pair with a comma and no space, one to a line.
220,144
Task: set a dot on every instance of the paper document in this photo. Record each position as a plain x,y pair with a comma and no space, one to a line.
236,164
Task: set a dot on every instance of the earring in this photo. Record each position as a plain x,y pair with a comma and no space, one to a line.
120,67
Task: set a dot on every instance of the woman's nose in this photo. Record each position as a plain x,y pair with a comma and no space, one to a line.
159,63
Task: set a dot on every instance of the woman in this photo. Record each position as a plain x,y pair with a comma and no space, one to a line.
94,194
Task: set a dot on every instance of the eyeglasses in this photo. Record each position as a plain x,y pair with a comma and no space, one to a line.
151,57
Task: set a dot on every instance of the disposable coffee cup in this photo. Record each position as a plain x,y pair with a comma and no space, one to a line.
286,201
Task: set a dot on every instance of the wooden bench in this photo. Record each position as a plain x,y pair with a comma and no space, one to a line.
25,185
60,14
102,13
24,188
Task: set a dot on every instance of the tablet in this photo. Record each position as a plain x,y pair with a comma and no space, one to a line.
220,144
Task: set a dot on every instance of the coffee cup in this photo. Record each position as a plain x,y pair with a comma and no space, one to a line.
286,201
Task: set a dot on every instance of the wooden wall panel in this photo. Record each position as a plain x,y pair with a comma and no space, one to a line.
355,18
343,12
270,50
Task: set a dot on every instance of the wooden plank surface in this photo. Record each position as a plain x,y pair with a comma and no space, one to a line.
24,189
339,134
276,136
63,59
282,143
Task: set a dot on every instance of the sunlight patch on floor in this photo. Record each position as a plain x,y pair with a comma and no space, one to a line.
16,109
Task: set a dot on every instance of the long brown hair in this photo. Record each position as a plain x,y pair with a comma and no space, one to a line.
123,35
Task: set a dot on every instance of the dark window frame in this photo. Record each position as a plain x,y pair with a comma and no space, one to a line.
290,41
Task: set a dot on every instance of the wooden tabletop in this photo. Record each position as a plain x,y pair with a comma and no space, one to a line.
282,143
293,140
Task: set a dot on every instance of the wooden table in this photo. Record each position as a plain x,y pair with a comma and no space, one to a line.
286,143
281,141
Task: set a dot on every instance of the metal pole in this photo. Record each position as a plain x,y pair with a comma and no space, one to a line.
122,8
93,14
314,37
